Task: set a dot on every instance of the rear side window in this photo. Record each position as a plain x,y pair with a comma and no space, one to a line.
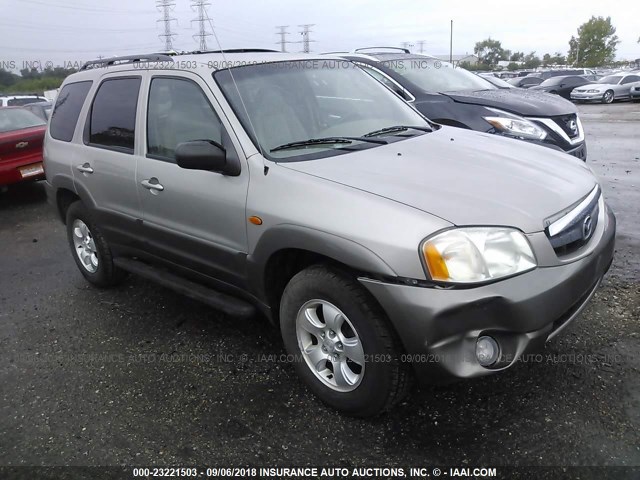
112,122
67,110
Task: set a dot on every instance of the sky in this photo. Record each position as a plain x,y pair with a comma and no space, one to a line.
67,32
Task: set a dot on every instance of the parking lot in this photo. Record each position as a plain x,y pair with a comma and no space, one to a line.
139,375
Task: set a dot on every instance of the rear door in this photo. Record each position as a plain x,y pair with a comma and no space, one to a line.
106,169
191,218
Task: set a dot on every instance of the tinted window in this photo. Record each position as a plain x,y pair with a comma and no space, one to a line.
113,114
611,79
67,110
631,79
18,118
178,112
532,81
569,81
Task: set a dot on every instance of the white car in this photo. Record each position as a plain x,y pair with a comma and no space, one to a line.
20,100
607,89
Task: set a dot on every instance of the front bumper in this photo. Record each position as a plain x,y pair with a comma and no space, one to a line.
439,328
585,97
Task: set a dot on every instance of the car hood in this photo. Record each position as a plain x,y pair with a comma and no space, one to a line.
464,177
526,103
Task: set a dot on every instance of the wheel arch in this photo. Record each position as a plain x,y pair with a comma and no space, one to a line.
284,251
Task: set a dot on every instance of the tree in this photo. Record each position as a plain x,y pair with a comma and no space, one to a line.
513,66
595,44
489,51
558,59
517,57
531,60
7,78
546,59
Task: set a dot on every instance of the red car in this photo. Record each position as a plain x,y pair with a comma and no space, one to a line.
21,136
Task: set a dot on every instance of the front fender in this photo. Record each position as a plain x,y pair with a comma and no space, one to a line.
285,236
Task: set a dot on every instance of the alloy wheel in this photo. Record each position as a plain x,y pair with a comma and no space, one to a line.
85,246
330,345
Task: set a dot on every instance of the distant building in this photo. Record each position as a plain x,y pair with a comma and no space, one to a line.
505,63
471,59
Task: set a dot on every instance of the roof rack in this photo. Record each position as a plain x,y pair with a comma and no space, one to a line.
404,50
107,62
235,50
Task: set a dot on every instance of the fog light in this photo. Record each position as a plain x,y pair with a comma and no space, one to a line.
487,351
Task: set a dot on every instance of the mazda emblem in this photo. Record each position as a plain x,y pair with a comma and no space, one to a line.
587,227
573,126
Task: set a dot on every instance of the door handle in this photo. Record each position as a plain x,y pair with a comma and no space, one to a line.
86,168
152,186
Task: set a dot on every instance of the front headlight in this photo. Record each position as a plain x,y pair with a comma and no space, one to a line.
477,254
593,91
515,126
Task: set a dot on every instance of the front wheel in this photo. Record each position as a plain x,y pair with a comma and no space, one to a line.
342,345
607,97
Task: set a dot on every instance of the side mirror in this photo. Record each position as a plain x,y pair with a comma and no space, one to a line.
562,85
201,155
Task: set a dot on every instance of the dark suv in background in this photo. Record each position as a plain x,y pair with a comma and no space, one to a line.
453,96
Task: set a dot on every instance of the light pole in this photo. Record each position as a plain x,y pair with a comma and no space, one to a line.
451,44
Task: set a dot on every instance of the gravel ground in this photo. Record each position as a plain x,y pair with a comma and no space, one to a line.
139,375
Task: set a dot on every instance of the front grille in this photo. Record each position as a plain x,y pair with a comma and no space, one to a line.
577,227
569,125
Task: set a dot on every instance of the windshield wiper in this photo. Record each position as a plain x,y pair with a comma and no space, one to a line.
325,141
396,129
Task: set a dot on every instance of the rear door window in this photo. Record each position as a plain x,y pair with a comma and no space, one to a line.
112,122
67,110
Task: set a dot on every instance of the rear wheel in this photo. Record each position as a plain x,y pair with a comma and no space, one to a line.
342,345
89,248
607,97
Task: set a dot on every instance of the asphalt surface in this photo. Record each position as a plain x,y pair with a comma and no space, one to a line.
138,375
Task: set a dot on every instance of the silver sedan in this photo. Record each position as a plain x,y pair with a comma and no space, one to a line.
612,87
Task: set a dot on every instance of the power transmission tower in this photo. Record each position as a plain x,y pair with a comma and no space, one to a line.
283,37
166,7
421,46
201,7
306,30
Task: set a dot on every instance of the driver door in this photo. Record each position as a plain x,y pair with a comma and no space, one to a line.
192,218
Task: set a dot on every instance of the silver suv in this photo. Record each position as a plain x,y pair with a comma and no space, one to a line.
385,247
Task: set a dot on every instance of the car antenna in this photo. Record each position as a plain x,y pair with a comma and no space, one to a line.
224,58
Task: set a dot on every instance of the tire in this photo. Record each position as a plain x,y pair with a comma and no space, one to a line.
361,390
86,240
608,96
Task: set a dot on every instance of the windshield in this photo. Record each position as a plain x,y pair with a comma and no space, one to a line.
611,79
18,118
298,101
435,76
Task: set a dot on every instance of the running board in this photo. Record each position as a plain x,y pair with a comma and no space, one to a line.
225,303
